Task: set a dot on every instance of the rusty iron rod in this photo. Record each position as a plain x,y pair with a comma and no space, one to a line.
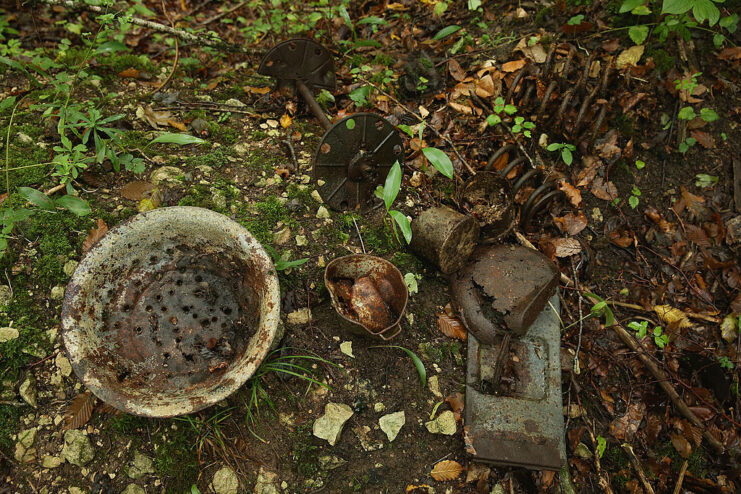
313,105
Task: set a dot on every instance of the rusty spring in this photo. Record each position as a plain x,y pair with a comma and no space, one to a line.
545,189
584,98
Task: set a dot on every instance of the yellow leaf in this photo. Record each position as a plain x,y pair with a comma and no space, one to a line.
631,56
446,470
672,317
285,121
152,202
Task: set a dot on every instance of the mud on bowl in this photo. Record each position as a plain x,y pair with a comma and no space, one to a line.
170,312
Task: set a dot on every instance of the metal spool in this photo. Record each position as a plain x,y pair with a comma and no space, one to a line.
354,157
300,59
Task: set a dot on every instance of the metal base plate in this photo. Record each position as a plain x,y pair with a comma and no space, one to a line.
522,426
302,59
354,157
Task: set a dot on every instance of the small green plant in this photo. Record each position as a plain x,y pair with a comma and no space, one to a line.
601,445
601,309
685,145
566,150
421,372
501,110
282,264
641,329
634,198
704,180
388,193
437,157
725,362
640,164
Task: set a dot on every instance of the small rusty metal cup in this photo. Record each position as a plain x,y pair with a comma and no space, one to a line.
170,312
384,275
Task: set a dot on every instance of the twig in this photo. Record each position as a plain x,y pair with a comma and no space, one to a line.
604,482
177,53
55,189
680,480
420,119
222,14
636,464
287,142
155,26
702,317
581,317
18,468
663,381
525,242
359,235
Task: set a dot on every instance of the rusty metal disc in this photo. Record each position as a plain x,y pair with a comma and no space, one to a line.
301,59
354,157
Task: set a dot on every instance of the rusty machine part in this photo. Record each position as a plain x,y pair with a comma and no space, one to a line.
522,427
567,90
488,197
356,153
444,237
170,312
367,292
545,187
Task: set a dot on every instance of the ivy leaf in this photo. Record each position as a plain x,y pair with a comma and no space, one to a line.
74,204
403,223
439,160
36,198
686,113
676,6
638,34
392,185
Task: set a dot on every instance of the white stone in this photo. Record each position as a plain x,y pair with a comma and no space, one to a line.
392,423
299,317
329,426
443,424
27,390
57,293
69,267
318,198
6,295
234,102
282,236
322,213
225,481
51,461
301,240
140,466
63,365
7,334
346,348
130,489
166,174
379,407
77,448
24,451
434,386
266,482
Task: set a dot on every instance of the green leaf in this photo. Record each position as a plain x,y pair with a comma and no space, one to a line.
7,103
686,113
601,445
440,8
346,17
392,185
493,120
718,40
403,223
554,146
406,129
683,147
709,115
640,164
350,123
439,160
446,31
566,156
281,265
416,360
360,95
576,20
729,23
706,10
629,5
609,316
676,6
194,490
110,47
179,139
372,20
474,4
633,201
638,34
641,10
704,180
74,204
37,198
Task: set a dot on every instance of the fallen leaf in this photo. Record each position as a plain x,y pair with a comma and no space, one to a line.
571,223
705,139
422,488
485,87
257,90
461,108
477,472
536,53
457,403
625,427
620,237
130,73
653,214
178,125
513,66
212,85
698,236
603,189
285,121
451,326
136,190
730,53
682,445
456,70
152,202
582,27
566,247
631,56
572,193
153,118
446,470
94,235
587,174
79,411
672,316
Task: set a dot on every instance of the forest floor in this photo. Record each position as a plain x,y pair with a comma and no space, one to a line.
638,129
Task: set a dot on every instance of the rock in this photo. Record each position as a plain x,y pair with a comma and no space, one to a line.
330,462
498,489
131,489
282,236
70,266
392,423
266,482
166,174
234,102
443,424
583,451
6,295
329,426
140,466
7,334
301,240
294,205
366,391
77,448
346,348
322,213
23,138
379,407
225,481
24,451
77,490
434,385
218,198
366,442
315,195
27,390
299,317
63,365
51,461
242,149
57,293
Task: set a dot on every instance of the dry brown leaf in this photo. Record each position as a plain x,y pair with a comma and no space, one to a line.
477,472
446,470
461,108
257,90
135,191
108,409
698,236
625,427
682,445
571,192
536,53
485,87
654,215
730,53
94,235
672,316
571,223
604,189
451,326
79,411
705,139
130,73
178,125
566,247
621,237
212,85
456,70
419,489
513,66
457,403
587,174
154,118
631,56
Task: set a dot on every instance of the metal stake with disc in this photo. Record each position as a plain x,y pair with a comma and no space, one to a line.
356,153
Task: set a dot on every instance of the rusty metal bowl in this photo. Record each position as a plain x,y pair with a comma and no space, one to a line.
367,292
170,312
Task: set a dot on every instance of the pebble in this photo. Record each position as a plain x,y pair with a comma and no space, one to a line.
51,461
301,240
299,317
225,481
27,390
366,442
6,295
234,102
70,266
282,236
329,426
130,489
346,348
434,386
57,293
392,423
63,365
315,195
165,174
266,482
77,448
24,451
140,466
7,334
322,213
443,424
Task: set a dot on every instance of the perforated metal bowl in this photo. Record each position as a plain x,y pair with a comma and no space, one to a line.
170,312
